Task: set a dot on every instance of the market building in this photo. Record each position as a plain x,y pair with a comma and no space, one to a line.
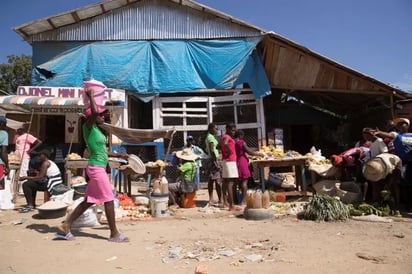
176,63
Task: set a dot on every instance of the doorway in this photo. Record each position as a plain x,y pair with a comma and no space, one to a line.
54,129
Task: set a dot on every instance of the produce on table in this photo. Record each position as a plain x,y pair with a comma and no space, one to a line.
14,158
73,156
157,163
316,160
271,152
325,208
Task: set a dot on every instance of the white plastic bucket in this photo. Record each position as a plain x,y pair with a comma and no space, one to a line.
98,88
159,205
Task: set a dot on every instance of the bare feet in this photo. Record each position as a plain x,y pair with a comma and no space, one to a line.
63,228
235,208
175,206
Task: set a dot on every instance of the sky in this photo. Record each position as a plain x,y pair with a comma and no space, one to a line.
373,37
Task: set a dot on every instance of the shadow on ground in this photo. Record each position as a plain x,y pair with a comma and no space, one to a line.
44,229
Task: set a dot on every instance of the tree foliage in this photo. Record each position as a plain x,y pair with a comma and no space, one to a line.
17,72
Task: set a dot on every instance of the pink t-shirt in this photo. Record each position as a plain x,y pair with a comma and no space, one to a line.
21,148
231,144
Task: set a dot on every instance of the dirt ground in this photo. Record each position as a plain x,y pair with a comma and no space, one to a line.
224,242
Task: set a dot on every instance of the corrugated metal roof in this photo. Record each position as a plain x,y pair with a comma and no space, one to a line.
137,20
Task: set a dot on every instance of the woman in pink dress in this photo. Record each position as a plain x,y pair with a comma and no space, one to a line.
99,189
242,150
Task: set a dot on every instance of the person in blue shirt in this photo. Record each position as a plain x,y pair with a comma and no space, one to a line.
402,142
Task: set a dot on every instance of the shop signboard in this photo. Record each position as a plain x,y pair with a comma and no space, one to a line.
64,102
67,92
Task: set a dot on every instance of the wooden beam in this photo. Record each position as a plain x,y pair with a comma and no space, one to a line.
26,36
51,23
392,107
75,16
363,92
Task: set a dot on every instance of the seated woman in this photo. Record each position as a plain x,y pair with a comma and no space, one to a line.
187,171
48,177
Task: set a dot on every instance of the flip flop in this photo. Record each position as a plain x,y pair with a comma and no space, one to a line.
214,204
68,237
26,209
120,239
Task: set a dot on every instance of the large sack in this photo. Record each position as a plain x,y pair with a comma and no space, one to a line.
87,219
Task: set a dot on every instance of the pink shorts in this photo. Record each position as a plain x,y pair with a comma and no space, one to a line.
99,189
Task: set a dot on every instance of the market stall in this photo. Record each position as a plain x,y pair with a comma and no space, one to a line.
151,171
54,112
275,157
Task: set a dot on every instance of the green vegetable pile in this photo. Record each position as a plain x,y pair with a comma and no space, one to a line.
367,209
325,208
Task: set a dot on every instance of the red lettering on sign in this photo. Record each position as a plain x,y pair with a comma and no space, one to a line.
21,91
66,92
36,91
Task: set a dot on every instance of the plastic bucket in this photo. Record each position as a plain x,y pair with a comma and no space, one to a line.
159,205
98,88
189,200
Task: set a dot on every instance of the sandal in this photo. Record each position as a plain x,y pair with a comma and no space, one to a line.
214,204
26,209
119,239
68,236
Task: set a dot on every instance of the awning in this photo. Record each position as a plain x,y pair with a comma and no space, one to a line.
41,101
26,104
39,104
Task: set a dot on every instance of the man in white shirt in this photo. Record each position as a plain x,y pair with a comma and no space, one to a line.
377,145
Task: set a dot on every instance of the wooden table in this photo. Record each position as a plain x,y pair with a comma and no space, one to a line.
296,163
118,181
151,171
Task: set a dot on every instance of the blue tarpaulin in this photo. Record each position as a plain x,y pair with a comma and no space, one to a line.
159,66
